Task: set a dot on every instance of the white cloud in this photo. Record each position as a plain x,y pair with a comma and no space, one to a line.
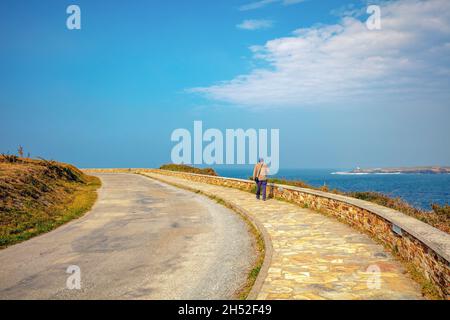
347,63
262,3
255,24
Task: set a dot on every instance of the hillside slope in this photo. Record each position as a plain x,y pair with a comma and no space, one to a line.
37,196
190,169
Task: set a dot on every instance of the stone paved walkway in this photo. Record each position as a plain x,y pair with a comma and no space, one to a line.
314,256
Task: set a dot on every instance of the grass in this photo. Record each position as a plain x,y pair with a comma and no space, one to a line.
189,169
439,217
259,244
254,272
36,196
428,289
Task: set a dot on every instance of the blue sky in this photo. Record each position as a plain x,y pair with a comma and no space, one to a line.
110,94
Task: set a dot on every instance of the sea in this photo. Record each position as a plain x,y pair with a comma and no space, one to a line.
419,190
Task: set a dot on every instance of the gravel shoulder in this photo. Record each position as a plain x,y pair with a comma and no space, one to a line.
142,240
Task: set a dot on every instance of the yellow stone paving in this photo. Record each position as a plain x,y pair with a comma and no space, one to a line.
315,256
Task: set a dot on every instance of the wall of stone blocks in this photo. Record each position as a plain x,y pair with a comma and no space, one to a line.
433,266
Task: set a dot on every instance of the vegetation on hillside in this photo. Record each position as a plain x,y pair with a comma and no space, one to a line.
438,217
37,196
190,169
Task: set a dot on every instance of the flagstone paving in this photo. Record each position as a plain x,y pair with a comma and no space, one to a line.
315,256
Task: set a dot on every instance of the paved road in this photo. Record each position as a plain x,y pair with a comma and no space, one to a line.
142,240
315,256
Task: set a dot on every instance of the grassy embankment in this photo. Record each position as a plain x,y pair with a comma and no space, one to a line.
189,169
37,196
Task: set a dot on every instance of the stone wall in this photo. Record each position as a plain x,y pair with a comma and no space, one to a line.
414,241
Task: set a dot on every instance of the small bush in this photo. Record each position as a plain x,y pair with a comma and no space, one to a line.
9,158
186,168
442,211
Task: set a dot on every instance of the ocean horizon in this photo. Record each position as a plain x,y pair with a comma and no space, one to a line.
419,190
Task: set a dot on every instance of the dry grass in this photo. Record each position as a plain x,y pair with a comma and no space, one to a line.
37,196
185,168
439,217
428,288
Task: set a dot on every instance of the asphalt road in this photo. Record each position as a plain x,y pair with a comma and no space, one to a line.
142,240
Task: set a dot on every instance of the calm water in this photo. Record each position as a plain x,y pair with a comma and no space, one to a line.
420,190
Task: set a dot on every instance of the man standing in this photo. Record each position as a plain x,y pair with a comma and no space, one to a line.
260,176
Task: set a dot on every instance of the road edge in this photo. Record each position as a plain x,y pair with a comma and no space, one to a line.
253,223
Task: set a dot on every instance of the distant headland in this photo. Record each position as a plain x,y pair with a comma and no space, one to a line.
399,170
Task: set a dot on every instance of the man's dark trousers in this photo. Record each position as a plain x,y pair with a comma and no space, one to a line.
261,187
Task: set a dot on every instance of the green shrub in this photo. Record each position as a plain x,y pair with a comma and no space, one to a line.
190,169
9,158
442,211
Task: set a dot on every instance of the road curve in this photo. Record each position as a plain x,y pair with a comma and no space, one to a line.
142,240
